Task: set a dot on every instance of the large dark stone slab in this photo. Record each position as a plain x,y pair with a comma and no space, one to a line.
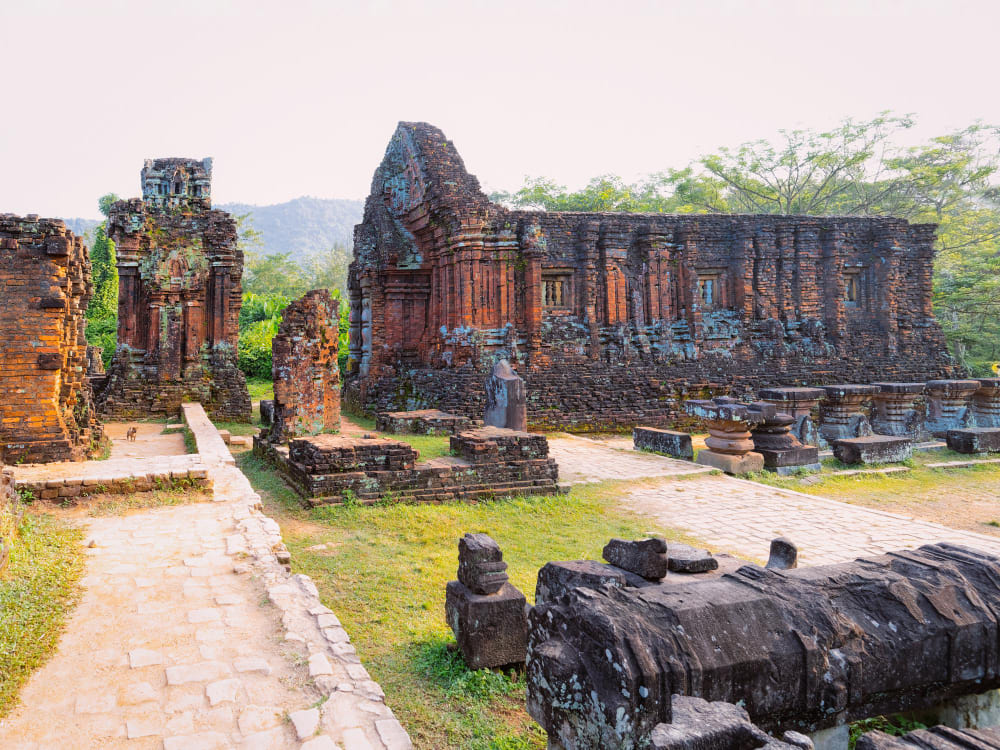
935,738
873,449
670,442
975,440
557,578
802,649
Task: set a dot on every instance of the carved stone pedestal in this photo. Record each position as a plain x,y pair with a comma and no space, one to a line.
799,402
894,413
783,452
986,403
948,405
840,414
730,447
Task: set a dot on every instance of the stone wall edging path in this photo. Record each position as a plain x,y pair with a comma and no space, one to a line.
353,698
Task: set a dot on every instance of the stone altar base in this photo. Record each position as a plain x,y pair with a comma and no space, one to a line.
730,463
975,440
669,442
874,449
491,629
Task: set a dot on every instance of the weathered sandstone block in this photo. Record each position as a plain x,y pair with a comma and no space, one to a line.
874,449
975,440
893,412
670,442
948,405
506,402
840,411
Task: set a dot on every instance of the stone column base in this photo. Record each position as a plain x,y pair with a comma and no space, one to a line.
730,463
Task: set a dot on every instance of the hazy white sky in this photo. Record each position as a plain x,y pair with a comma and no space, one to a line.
300,98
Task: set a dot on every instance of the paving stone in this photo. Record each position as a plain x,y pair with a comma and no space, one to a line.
222,691
392,734
319,665
266,740
305,722
135,728
320,743
204,615
144,657
251,664
355,739
204,672
229,599
200,741
95,703
139,692
258,718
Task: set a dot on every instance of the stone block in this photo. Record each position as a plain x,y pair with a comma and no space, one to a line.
556,578
731,464
935,738
683,558
668,442
506,401
480,564
975,440
874,449
491,630
645,557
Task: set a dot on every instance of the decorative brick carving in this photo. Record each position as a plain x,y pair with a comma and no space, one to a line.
46,412
306,375
179,297
614,319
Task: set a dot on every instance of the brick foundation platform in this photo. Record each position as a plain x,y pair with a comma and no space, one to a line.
421,422
330,469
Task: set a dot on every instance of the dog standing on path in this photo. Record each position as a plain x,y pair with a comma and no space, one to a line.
130,435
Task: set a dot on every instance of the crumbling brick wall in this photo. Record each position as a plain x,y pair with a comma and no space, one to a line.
613,318
306,374
46,413
179,279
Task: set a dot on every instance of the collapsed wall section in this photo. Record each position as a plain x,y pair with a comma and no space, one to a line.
46,409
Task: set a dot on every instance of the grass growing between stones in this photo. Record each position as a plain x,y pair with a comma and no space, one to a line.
383,570
37,591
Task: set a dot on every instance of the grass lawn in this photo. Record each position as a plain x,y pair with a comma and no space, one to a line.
384,570
37,591
260,389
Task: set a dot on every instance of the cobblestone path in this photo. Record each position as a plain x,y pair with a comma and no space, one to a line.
190,636
742,517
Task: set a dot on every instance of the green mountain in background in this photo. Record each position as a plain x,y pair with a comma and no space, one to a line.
302,227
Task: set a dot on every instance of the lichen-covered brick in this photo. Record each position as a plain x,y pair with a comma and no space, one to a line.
614,319
46,408
306,374
179,295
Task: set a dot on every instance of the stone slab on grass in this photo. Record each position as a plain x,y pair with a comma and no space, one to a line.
975,440
669,442
873,449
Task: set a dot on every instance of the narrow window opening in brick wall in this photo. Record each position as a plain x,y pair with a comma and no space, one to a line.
177,188
852,289
555,291
708,290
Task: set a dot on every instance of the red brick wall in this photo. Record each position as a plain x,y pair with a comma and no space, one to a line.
46,410
445,282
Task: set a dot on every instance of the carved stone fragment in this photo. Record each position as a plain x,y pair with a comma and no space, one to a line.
506,402
645,557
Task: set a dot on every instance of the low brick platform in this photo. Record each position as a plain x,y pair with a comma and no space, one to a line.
66,482
874,449
975,440
329,469
668,442
421,422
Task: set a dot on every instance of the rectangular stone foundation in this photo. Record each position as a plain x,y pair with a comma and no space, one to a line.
874,449
422,422
975,440
329,469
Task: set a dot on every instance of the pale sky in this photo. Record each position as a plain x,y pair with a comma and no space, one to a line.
299,98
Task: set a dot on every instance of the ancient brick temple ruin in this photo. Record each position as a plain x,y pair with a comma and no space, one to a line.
611,317
46,413
306,375
179,270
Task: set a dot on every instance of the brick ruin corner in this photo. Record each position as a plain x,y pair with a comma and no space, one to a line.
306,374
47,411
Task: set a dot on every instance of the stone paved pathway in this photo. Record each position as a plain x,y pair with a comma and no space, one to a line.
741,517
584,460
190,635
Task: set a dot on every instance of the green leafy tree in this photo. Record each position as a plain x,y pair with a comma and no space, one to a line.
102,313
